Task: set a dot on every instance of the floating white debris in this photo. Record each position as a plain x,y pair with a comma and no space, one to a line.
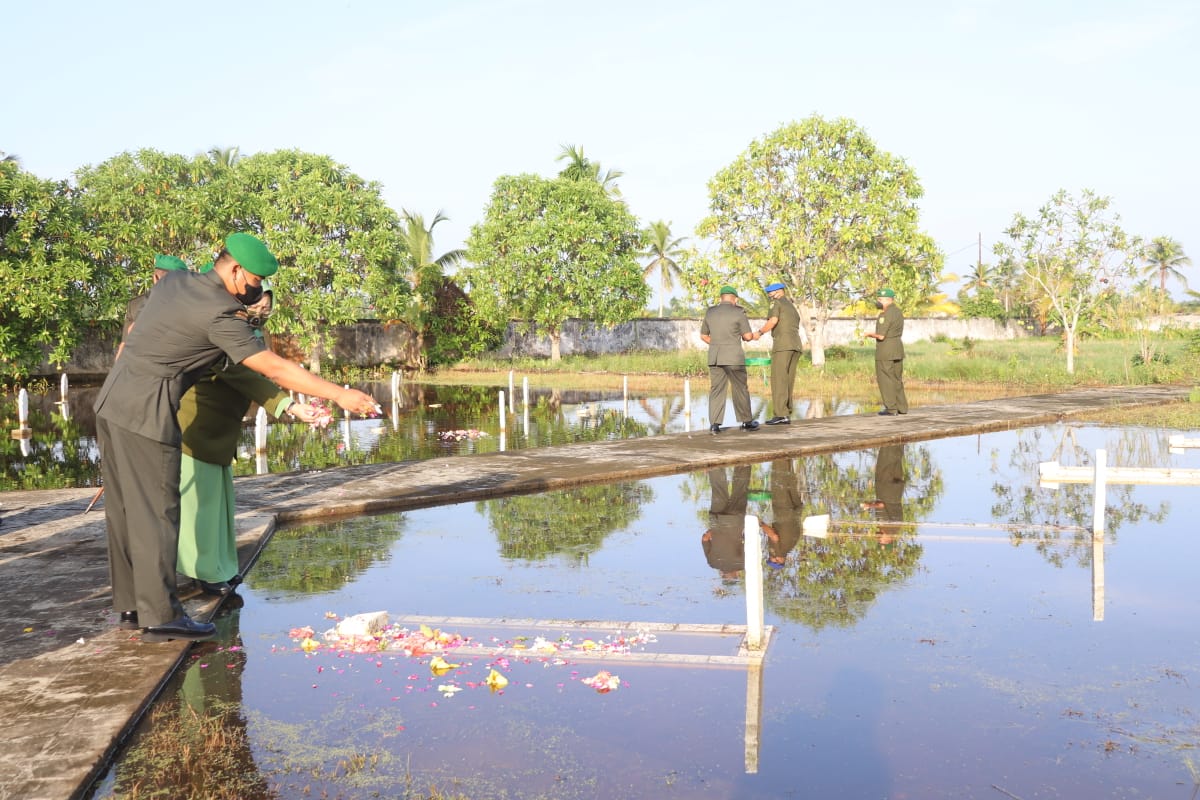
816,526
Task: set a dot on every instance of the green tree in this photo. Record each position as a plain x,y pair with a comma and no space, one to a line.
1164,256
980,277
817,204
1072,253
571,522
424,273
340,246
581,168
135,205
662,250
549,250
48,296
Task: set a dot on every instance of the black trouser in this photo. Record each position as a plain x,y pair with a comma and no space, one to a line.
141,509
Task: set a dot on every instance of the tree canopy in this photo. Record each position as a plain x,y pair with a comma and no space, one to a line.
47,294
819,206
548,250
340,246
1072,255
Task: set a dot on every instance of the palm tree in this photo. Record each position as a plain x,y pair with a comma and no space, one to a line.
581,168
9,158
662,251
425,272
1165,256
980,277
224,156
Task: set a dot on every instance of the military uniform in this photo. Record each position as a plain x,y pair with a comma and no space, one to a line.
189,323
210,418
726,323
785,354
724,541
787,503
889,359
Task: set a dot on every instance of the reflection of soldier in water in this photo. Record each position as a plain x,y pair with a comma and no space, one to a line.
889,489
723,541
787,501
212,691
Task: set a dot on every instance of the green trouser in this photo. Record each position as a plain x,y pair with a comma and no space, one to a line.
723,378
207,533
889,375
783,378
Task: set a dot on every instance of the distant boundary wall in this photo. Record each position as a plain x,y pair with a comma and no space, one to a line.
371,344
584,337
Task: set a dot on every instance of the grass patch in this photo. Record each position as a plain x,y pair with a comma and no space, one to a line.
988,368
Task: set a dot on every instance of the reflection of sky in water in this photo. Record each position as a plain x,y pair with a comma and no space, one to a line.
979,667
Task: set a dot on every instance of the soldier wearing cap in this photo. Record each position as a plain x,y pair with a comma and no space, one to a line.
210,420
191,322
889,354
724,329
783,323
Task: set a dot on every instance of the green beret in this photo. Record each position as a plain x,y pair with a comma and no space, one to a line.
886,293
169,263
727,289
252,254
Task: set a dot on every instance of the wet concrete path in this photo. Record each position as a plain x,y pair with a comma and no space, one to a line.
72,684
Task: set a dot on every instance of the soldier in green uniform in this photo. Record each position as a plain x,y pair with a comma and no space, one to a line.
724,329
889,355
783,323
787,503
210,419
190,323
724,541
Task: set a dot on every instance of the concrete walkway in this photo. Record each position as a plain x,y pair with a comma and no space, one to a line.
72,684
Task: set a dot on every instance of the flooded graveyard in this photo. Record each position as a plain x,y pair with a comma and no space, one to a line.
419,421
941,623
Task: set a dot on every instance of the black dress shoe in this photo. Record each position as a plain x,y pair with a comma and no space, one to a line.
182,628
218,589
129,620
778,421
887,412
752,425
715,427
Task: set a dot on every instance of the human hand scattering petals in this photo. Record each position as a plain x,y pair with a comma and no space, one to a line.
307,412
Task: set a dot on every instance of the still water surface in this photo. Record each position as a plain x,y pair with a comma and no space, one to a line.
423,421
963,637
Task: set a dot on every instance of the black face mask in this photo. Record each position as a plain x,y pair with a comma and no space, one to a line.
251,295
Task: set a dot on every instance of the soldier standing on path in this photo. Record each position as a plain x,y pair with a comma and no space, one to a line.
191,322
724,329
783,323
889,355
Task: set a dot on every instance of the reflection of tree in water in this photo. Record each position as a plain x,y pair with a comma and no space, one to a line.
63,456
571,522
835,580
325,557
1024,503
668,408
428,410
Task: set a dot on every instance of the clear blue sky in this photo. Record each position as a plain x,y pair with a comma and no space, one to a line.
995,104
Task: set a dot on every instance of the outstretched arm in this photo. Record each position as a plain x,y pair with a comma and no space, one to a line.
292,376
